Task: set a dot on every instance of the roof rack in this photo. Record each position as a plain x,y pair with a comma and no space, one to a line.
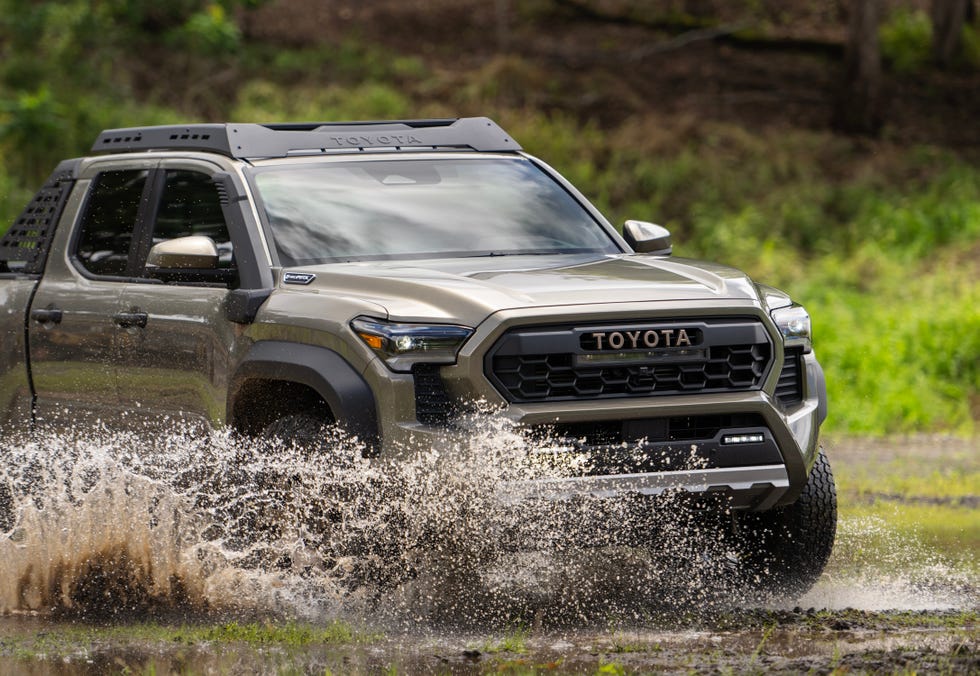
254,141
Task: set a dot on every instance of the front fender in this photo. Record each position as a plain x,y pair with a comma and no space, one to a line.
343,389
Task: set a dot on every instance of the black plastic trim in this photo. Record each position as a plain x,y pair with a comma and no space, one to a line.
432,403
253,271
343,389
241,305
28,240
662,444
789,386
818,386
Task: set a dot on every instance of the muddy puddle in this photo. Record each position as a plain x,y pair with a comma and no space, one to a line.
186,553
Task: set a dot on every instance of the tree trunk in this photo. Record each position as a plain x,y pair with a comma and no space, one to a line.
948,17
859,107
502,16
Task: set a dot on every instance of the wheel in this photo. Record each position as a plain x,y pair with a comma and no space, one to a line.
357,516
782,552
305,430
256,496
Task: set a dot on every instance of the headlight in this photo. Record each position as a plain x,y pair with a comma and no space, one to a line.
794,324
403,345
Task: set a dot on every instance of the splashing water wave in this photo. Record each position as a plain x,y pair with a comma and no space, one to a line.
99,523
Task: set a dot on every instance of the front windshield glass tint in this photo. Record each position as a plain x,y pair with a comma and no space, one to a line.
363,210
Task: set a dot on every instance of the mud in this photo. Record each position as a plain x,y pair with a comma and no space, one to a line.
742,641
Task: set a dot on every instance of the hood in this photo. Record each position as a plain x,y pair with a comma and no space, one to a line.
467,290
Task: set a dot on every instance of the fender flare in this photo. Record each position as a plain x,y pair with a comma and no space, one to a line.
326,372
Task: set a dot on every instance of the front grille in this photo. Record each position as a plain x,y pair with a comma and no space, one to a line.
789,388
733,355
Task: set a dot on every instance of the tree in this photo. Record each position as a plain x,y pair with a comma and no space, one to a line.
859,108
948,18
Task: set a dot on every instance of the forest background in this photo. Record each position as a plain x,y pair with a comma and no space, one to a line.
829,147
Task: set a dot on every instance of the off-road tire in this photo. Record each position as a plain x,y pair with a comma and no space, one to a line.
783,551
354,545
305,430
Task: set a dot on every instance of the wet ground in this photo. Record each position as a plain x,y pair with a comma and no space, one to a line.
749,641
895,598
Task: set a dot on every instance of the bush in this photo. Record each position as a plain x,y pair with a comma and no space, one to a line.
906,39
264,101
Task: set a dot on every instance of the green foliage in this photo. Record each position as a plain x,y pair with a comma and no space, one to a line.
346,62
289,634
970,46
67,68
209,31
900,354
514,642
906,39
33,121
950,531
266,101
13,196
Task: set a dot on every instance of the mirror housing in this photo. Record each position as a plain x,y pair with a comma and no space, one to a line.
647,238
195,252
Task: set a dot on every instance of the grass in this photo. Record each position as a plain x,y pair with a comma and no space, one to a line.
889,529
290,634
515,642
910,509
909,479
64,640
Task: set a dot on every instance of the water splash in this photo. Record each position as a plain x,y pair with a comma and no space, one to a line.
99,523
102,522
876,568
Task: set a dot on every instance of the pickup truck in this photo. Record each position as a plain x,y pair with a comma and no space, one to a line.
380,276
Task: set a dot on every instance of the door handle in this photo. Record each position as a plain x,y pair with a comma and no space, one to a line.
133,318
49,315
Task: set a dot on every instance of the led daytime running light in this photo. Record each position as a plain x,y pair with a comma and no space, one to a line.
794,325
403,345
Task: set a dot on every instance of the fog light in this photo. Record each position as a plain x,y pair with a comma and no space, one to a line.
743,439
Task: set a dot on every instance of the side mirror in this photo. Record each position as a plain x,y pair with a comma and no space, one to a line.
647,237
195,252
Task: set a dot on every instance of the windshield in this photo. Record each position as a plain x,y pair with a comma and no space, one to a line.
338,211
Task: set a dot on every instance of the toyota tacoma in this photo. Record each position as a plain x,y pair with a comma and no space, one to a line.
382,276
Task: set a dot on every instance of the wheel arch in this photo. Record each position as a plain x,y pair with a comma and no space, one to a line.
278,377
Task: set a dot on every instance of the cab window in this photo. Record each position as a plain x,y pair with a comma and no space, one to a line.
189,205
108,220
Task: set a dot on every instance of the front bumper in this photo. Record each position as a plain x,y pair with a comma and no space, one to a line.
750,476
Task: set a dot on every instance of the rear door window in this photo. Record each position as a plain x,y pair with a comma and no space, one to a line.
110,214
